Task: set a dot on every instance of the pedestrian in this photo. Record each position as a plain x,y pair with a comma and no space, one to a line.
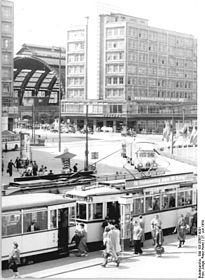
41,170
17,163
14,259
75,167
2,166
117,245
193,229
109,251
26,163
76,239
10,167
155,222
137,235
35,168
83,249
142,224
159,241
181,230
45,171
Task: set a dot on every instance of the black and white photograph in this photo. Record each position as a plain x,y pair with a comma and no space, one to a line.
102,163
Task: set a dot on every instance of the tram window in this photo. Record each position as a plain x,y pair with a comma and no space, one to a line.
53,215
168,200
35,221
138,206
184,198
156,203
81,211
11,224
97,211
89,212
72,213
148,204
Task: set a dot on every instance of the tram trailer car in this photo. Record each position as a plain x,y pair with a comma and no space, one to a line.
168,195
54,228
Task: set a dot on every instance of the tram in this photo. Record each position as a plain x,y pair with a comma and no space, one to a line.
39,222
169,196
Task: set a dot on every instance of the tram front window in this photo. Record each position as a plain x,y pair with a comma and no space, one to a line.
148,204
81,214
97,211
168,200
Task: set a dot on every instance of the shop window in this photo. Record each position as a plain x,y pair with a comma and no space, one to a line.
97,211
11,224
81,211
33,221
53,222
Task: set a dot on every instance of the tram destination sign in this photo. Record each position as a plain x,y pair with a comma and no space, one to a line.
166,179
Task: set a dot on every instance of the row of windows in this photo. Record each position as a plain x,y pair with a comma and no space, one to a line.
114,56
116,93
6,27
6,13
158,47
115,68
73,108
161,202
75,69
76,46
162,37
6,58
153,93
115,31
74,93
6,73
115,44
115,81
75,81
75,57
76,35
161,60
17,223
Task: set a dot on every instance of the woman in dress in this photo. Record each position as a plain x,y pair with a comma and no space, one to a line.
14,259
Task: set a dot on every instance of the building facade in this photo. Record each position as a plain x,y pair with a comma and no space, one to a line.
145,75
9,106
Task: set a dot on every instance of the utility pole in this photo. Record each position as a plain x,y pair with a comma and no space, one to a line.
86,142
59,100
172,145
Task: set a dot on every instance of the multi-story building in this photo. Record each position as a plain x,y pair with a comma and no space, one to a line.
9,108
145,74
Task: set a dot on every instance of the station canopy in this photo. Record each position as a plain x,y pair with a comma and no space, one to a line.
36,72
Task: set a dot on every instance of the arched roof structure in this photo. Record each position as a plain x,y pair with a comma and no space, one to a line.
36,77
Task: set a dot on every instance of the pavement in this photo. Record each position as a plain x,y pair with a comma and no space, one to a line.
174,263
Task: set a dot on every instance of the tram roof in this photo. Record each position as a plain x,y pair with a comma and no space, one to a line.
95,191
24,201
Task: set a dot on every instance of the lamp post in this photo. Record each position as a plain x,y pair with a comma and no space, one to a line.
59,100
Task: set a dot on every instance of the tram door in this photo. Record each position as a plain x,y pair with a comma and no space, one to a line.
63,230
113,210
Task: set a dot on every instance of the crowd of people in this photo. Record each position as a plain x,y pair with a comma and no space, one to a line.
112,237
30,168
